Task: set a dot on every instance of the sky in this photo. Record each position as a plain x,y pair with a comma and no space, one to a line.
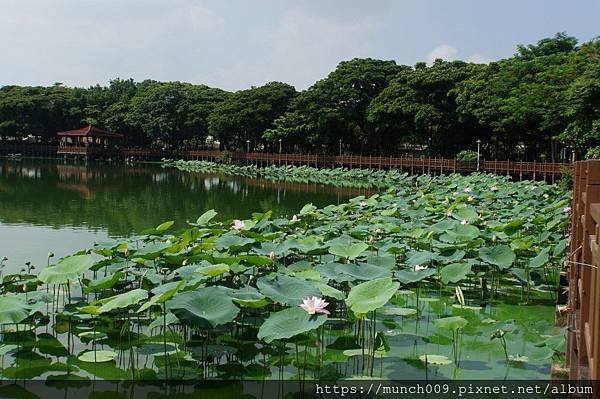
236,44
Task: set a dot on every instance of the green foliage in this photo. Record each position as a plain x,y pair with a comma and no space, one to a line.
593,153
535,105
566,181
466,155
288,323
400,262
247,114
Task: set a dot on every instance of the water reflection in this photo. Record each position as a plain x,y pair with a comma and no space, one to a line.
73,205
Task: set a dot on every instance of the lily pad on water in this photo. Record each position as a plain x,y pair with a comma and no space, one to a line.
468,213
372,295
97,356
206,217
104,282
92,335
249,297
233,241
399,311
454,272
499,255
123,300
351,271
451,323
349,251
460,233
13,310
66,269
412,276
288,323
151,349
363,352
206,308
213,270
286,290
437,360
540,259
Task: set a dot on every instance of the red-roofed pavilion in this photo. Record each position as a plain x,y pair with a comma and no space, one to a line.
89,140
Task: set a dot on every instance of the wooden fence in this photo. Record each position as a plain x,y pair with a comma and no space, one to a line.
535,170
583,321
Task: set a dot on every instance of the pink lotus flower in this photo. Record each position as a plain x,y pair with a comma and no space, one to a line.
238,224
567,209
468,190
314,305
362,204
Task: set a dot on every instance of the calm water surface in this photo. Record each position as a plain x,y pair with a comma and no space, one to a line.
52,206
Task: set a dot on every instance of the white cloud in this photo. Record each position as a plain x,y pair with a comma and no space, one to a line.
83,43
443,51
478,59
302,48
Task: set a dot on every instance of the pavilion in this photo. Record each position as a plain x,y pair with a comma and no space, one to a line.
88,141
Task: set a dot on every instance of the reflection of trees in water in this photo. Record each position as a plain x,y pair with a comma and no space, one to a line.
124,200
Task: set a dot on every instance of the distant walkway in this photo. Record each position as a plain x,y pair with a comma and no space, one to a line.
534,170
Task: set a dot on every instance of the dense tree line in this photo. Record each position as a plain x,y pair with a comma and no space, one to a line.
538,104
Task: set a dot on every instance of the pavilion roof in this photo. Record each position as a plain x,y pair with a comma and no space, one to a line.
88,131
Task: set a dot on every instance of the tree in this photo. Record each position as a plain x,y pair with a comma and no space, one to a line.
335,108
518,100
419,107
40,111
560,43
247,114
582,99
172,112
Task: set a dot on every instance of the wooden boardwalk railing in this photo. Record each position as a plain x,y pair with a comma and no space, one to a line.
583,336
545,170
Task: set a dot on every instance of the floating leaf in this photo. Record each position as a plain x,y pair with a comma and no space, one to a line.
451,323
123,300
213,270
164,226
288,323
413,276
541,259
97,356
13,310
206,308
104,282
399,311
454,272
287,290
437,360
372,295
66,269
350,251
499,255
206,217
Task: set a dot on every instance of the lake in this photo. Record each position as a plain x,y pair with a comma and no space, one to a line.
64,207
53,206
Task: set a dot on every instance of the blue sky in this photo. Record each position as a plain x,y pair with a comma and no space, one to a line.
236,44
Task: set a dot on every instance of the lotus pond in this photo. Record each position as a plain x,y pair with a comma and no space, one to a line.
437,277
65,207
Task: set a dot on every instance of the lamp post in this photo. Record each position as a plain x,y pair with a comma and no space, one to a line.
429,146
247,145
478,152
280,146
340,147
